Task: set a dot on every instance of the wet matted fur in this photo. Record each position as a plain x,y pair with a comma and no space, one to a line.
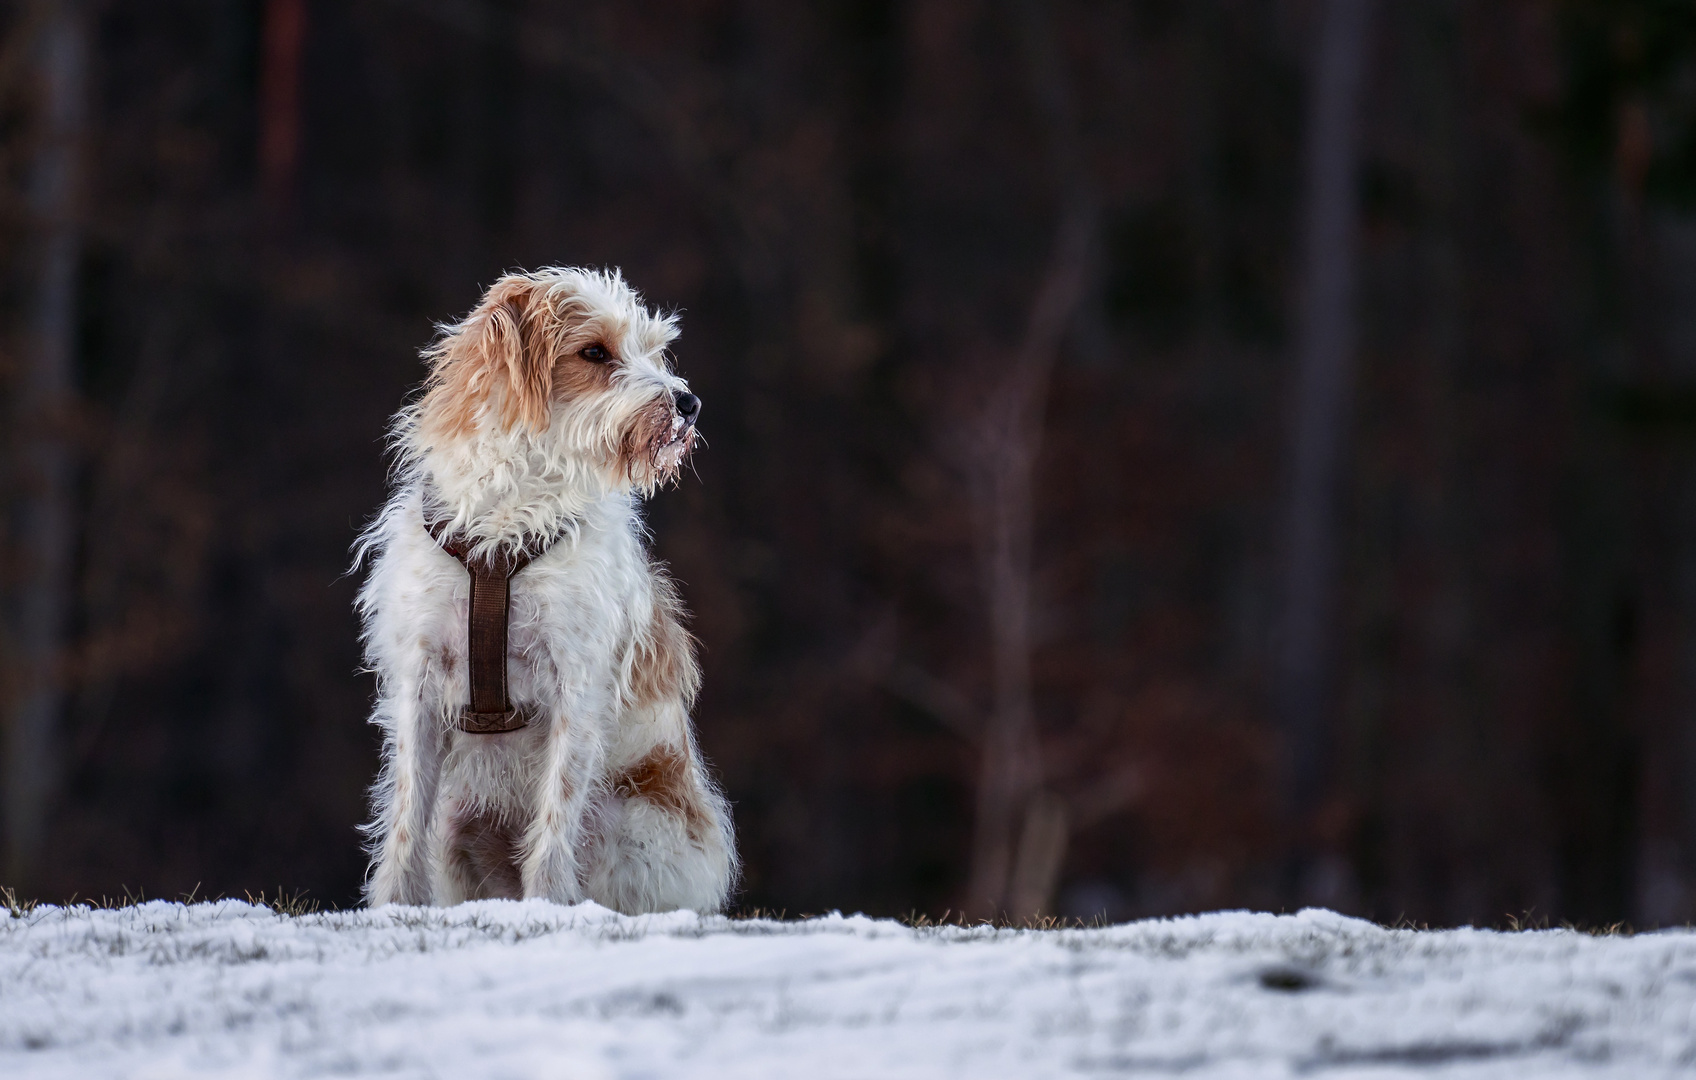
549,412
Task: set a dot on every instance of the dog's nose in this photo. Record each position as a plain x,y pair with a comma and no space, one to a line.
688,405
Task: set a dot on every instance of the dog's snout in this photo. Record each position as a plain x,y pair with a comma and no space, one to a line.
688,405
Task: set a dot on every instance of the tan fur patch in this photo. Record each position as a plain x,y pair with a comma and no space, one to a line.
664,667
575,377
498,357
662,778
485,852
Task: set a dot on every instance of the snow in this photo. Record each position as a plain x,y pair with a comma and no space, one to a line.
500,989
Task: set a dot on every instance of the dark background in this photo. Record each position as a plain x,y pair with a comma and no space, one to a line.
997,311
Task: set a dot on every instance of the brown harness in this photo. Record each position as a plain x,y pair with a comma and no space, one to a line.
491,711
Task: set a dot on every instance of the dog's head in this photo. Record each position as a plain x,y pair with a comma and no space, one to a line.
566,366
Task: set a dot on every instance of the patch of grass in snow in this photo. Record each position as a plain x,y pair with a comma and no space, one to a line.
293,904
741,918
110,903
18,907
921,921
1527,921
15,907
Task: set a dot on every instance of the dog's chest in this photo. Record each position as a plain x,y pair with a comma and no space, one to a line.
569,617
568,625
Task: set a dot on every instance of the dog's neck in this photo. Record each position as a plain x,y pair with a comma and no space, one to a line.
509,490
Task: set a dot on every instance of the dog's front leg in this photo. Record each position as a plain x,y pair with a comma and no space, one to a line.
404,799
572,759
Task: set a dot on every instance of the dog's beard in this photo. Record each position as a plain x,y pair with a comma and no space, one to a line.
670,455
660,443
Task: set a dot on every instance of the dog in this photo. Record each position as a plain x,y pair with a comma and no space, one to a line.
549,413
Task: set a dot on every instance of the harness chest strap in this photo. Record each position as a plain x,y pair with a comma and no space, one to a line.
491,711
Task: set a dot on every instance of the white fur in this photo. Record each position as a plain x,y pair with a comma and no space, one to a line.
581,615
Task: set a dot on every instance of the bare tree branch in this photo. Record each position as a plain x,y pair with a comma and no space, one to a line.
913,684
1110,795
41,608
1012,813
1324,377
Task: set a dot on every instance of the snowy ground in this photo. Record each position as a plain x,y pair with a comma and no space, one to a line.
501,989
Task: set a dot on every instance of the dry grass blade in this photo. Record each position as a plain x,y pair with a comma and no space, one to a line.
293,904
15,907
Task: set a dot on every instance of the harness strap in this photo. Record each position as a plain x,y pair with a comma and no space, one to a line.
491,711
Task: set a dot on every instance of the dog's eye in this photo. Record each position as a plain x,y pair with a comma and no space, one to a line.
595,354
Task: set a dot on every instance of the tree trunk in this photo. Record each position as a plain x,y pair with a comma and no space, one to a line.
1002,460
279,103
1323,384
1020,832
43,401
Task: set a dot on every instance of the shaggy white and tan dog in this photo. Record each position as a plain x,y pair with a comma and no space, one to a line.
549,412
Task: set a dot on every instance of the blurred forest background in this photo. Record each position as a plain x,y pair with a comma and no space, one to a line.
1162,455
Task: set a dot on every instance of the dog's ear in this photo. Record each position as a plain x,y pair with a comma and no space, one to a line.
496,358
